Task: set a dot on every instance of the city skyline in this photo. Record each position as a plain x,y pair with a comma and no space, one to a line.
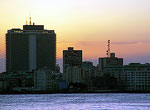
85,25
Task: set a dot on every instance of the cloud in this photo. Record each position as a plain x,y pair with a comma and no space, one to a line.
85,43
112,42
89,43
129,42
123,43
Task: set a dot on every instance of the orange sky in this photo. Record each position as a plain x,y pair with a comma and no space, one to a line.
85,24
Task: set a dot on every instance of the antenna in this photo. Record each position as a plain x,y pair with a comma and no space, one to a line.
30,20
26,21
108,51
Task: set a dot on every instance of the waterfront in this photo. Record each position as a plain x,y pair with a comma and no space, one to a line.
99,101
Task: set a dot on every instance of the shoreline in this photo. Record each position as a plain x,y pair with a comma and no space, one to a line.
15,93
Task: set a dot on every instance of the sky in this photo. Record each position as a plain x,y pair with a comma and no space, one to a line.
86,25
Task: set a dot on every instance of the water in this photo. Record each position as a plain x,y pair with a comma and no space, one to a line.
102,101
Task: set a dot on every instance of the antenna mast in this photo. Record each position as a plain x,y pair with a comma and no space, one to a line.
26,21
30,21
108,51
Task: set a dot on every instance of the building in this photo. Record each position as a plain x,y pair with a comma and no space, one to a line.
46,80
110,61
30,48
77,74
16,81
136,77
111,65
71,57
89,65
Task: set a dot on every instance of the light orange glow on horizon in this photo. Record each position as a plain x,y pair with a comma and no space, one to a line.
86,25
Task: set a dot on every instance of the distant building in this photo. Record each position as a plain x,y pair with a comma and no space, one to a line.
9,81
89,65
110,64
30,48
110,61
41,79
46,80
136,77
77,74
71,57
97,72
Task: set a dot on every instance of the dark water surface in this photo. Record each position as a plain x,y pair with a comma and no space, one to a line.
101,101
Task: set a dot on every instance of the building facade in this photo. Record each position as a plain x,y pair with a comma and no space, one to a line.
136,77
46,80
71,57
77,74
30,48
16,81
110,65
110,61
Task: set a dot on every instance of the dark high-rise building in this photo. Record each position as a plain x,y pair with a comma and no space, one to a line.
30,48
71,57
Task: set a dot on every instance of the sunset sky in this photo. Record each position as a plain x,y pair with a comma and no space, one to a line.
86,25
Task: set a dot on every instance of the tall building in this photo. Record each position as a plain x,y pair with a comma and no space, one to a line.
71,57
30,48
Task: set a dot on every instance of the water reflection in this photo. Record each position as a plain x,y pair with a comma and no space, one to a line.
103,101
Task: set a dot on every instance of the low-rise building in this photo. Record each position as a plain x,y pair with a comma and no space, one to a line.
136,77
11,80
110,61
77,74
46,80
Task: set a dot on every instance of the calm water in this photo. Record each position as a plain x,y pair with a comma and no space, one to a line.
103,101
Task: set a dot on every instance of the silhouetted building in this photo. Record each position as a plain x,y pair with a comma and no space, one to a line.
136,77
71,57
89,65
105,82
30,48
16,81
111,61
